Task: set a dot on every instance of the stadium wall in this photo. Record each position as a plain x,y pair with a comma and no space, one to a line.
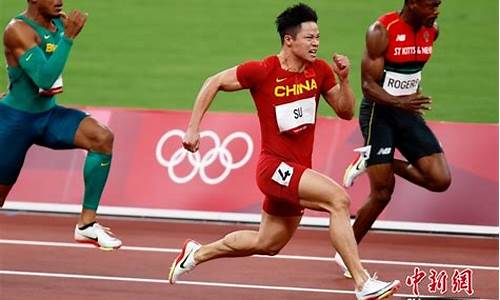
152,176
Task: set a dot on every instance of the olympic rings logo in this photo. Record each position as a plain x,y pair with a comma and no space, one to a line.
198,162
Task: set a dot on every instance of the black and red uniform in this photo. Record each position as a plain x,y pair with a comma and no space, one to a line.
386,127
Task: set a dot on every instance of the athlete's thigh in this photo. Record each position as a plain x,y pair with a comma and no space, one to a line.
316,191
61,128
377,129
17,134
277,230
414,138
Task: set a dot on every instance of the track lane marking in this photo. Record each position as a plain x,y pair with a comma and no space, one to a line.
195,283
279,256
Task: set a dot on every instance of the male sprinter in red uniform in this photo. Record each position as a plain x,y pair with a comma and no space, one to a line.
286,89
397,47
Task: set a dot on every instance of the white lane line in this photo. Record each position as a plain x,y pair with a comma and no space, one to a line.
164,281
195,283
280,256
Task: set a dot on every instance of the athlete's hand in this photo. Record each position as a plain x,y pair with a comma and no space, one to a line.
73,23
341,66
417,103
2,94
191,140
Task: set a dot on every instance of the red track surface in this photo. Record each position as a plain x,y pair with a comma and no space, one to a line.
58,271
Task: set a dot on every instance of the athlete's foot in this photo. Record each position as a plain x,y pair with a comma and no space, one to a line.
98,235
374,289
184,262
358,166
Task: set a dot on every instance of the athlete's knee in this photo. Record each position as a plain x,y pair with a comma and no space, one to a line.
270,246
382,196
269,249
440,184
342,202
338,202
104,141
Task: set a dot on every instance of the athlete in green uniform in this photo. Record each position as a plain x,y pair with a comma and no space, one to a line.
37,45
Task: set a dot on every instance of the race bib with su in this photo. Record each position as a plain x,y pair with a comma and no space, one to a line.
399,84
56,88
295,114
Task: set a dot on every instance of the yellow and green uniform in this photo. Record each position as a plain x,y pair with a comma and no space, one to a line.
29,113
30,83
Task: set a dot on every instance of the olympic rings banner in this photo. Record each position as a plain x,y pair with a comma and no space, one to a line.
152,175
200,163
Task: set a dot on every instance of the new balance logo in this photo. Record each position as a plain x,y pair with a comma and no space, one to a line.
384,151
401,38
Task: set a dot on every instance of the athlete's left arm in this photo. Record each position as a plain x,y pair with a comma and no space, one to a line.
341,97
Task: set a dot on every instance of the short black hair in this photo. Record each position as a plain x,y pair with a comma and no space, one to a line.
288,22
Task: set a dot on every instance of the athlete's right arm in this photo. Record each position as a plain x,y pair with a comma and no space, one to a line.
20,41
372,71
23,50
223,81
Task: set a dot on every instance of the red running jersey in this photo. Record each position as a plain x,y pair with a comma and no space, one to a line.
406,54
406,45
286,105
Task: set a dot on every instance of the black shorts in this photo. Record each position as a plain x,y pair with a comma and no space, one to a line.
386,128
